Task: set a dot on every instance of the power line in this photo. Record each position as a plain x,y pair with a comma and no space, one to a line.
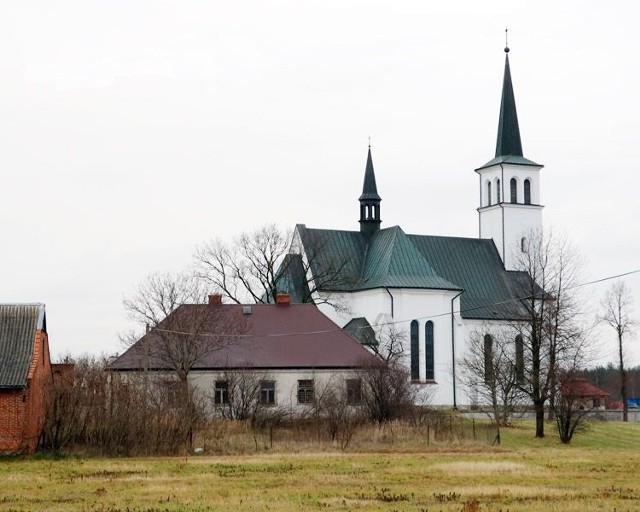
395,322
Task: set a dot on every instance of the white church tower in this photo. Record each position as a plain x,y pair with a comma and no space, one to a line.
510,205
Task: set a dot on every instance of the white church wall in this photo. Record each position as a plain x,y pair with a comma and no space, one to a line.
508,222
491,225
466,396
410,304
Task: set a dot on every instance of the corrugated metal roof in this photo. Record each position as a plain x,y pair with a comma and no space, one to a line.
509,159
292,280
475,265
392,259
387,259
337,255
272,336
360,329
18,325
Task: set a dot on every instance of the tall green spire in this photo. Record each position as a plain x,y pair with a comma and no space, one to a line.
369,201
369,189
508,143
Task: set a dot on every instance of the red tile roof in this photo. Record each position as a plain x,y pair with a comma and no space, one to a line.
581,388
270,337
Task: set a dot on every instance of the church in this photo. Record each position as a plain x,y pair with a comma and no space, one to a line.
435,291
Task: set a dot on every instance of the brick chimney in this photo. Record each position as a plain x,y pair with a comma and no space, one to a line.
215,300
283,299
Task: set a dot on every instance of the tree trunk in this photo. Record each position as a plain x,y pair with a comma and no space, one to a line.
623,381
539,408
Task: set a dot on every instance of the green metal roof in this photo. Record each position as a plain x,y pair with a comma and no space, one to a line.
393,259
509,159
18,325
475,265
361,330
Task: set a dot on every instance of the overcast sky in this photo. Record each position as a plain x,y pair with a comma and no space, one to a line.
132,130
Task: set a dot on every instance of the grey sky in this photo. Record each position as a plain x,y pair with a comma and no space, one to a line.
130,131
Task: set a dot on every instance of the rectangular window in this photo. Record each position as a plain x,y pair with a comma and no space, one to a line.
354,391
173,394
415,357
305,391
267,392
429,358
221,392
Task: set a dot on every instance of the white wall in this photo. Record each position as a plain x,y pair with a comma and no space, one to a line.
286,384
506,223
411,304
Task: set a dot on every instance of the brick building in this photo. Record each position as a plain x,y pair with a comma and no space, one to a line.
25,376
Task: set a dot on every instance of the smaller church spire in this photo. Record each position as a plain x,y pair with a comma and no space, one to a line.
369,201
508,143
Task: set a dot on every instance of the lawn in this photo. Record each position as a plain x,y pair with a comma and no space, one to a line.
598,471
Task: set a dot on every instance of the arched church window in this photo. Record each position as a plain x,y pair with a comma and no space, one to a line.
488,358
415,356
488,193
519,359
429,351
513,185
498,198
523,244
527,192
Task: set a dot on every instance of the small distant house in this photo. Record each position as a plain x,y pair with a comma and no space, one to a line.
581,390
25,376
291,351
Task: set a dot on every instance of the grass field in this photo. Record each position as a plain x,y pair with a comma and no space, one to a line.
600,470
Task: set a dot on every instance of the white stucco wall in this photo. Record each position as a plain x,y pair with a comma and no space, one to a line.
506,223
286,384
408,305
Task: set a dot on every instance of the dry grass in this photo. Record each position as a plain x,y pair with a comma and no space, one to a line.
598,472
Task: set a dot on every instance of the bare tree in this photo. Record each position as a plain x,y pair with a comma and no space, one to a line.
247,269
95,410
551,329
390,344
387,390
258,265
182,329
339,405
242,399
617,307
571,408
493,370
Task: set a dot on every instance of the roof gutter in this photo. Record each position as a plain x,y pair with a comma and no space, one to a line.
387,290
453,351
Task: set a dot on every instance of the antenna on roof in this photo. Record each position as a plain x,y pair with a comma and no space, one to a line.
506,40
